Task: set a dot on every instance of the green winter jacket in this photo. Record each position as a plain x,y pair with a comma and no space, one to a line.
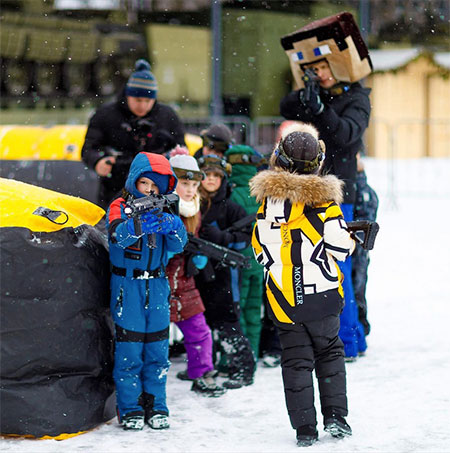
240,177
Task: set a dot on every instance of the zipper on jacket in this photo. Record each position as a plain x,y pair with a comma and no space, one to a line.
119,303
146,294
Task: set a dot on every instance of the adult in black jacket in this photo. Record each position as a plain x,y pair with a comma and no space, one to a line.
221,294
340,111
118,131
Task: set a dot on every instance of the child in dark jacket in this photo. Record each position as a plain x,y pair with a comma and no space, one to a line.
365,208
299,233
186,306
139,250
221,294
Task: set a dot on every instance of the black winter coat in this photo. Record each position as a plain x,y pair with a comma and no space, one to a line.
341,126
221,296
114,127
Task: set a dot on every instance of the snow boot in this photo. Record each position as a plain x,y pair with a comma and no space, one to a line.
271,360
207,386
183,376
133,421
337,426
307,435
238,382
159,421
350,359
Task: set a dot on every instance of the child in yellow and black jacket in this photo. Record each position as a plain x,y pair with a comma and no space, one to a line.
300,232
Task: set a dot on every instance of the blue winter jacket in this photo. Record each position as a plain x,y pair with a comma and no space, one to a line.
130,251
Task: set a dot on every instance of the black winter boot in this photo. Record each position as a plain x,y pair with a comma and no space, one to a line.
206,385
337,426
238,382
183,376
307,435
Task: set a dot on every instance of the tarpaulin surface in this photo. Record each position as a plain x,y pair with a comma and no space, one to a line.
56,333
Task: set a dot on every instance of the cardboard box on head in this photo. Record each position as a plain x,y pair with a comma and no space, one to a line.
335,39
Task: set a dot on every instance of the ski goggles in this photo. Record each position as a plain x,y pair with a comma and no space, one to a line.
191,175
214,162
247,159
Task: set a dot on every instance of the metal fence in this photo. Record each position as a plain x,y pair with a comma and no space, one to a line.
259,133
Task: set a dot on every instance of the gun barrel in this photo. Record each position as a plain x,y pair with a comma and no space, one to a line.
223,255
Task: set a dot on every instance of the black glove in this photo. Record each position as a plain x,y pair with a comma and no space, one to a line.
310,97
213,234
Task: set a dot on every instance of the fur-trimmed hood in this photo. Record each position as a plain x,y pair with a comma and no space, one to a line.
311,190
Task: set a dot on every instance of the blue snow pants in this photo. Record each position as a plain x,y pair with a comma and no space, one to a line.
351,331
141,314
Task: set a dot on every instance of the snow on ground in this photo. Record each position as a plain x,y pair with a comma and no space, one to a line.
399,394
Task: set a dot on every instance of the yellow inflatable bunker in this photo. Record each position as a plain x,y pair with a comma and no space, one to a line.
50,157
56,350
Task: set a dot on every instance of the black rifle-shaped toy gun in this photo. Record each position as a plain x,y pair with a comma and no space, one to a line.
223,256
367,227
370,230
154,202
311,81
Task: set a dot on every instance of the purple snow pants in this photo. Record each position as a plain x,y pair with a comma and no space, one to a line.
198,344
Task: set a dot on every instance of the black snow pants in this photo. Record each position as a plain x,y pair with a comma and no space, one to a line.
313,344
241,361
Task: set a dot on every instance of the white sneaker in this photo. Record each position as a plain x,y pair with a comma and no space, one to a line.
159,421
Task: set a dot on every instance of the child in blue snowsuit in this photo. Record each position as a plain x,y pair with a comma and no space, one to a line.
140,293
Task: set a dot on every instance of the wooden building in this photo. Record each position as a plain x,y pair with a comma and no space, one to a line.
410,104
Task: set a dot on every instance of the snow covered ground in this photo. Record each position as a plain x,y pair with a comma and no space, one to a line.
399,394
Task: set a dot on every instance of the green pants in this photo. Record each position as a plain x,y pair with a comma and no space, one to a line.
251,306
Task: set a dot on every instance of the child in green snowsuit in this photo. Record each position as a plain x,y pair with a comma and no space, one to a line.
245,161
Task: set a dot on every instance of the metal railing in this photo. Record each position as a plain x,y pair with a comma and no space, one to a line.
240,126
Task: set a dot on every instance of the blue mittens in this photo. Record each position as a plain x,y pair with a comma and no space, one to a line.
162,224
200,261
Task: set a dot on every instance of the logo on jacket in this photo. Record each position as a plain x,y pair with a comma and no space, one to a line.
298,285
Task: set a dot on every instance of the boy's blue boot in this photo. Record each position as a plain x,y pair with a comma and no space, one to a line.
133,421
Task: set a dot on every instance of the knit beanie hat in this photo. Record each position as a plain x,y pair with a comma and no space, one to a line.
218,137
142,83
214,163
184,165
162,181
299,149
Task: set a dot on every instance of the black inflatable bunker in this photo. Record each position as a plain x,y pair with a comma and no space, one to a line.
56,333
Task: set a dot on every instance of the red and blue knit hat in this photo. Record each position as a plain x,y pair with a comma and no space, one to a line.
142,83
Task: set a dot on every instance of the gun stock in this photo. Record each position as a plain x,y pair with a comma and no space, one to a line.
370,230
